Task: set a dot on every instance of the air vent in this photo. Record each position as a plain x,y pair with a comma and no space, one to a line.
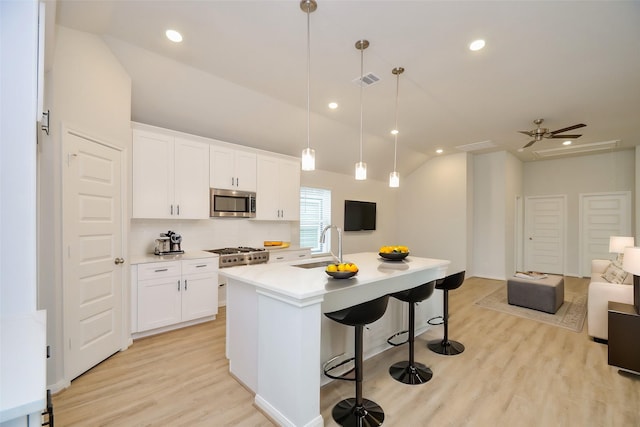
475,146
576,149
367,80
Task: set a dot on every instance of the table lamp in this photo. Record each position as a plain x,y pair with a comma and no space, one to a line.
631,264
617,245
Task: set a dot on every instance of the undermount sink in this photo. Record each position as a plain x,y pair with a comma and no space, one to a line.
314,264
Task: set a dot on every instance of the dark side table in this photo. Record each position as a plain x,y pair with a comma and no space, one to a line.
624,337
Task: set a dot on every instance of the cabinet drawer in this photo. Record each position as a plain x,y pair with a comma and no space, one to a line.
156,270
275,256
197,266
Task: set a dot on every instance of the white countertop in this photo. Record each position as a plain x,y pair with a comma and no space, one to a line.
23,354
146,258
299,284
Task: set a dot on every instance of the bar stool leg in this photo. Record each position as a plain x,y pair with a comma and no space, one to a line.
358,412
446,347
410,372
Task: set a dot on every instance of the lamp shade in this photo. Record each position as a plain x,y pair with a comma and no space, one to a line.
618,243
631,262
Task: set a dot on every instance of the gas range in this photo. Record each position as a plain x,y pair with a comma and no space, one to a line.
242,255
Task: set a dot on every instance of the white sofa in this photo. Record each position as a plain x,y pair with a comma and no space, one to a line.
600,293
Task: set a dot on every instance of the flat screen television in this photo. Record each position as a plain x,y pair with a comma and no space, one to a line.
359,216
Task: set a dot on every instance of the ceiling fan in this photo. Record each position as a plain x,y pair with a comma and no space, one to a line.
539,133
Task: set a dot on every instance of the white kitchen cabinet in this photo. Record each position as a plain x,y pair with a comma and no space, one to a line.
232,169
174,292
170,177
278,189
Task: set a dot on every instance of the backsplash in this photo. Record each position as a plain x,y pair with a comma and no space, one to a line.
210,233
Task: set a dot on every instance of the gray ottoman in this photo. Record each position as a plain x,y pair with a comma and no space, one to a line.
541,294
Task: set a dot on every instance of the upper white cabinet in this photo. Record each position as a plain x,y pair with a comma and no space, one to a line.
278,189
170,177
232,169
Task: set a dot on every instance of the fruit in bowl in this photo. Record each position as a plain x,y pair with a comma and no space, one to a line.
394,250
394,253
342,267
343,270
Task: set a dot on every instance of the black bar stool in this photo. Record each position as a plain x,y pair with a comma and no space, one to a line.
358,411
448,347
411,372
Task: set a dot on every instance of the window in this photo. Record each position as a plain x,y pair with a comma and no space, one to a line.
315,214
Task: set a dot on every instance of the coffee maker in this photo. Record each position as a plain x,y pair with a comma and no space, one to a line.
169,243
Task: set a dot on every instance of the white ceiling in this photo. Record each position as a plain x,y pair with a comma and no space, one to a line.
240,73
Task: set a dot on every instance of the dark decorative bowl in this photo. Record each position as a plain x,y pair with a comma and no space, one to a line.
341,274
394,256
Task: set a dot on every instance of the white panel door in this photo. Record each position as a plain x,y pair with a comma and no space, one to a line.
602,215
93,229
545,219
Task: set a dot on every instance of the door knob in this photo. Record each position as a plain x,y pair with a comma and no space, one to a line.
118,261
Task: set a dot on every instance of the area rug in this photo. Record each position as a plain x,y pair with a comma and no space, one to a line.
570,315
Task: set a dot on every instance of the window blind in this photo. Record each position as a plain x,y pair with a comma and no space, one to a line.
315,214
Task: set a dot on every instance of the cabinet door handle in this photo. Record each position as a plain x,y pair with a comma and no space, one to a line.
302,255
171,209
178,210
178,285
201,265
280,257
161,270
185,284
237,182
233,181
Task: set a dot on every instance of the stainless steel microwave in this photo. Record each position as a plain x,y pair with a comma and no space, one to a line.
232,203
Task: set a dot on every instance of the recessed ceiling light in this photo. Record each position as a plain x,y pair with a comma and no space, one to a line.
476,44
439,151
566,143
333,105
395,132
174,36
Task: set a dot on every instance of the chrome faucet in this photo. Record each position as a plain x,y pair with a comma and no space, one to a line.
324,231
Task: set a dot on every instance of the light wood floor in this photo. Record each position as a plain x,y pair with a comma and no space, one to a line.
514,372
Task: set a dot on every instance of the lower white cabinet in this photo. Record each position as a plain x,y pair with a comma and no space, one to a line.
170,293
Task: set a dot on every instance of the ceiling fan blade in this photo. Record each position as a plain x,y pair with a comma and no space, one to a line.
529,144
581,125
565,136
527,132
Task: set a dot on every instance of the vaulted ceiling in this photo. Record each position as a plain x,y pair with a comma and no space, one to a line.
240,74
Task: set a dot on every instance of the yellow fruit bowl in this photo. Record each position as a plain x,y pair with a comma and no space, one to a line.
341,271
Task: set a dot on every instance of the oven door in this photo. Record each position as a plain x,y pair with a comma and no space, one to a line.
232,203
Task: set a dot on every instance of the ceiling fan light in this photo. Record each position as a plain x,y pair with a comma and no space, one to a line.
394,179
566,143
361,171
308,159
395,132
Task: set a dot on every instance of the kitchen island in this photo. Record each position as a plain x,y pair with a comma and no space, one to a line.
274,314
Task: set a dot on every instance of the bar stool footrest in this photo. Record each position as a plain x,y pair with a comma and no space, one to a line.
332,364
397,335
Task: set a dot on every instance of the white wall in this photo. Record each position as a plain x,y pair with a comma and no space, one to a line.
433,212
345,187
497,180
89,91
614,171
18,110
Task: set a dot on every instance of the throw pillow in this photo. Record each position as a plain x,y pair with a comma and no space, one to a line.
614,273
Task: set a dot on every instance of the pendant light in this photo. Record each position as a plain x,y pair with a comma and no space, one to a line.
308,154
361,167
394,177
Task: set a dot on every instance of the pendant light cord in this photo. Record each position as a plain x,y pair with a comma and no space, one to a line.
395,137
308,76
361,88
